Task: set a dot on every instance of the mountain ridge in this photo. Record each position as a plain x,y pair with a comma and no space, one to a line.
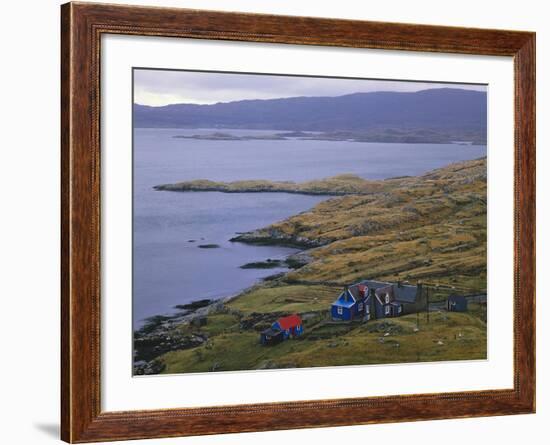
452,110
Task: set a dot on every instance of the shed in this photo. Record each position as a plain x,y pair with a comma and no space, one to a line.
457,303
290,325
271,336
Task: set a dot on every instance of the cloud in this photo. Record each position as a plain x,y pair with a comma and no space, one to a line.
163,87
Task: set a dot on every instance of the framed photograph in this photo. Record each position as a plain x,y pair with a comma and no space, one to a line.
275,222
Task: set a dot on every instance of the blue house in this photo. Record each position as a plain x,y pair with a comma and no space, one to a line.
377,299
457,303
345,306
354,302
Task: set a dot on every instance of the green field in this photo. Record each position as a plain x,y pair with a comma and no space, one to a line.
448,336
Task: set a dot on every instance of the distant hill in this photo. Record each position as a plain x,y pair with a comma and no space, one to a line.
451,110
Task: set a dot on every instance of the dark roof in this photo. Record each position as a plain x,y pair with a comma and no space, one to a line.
382,292
271,332
355,289
405,293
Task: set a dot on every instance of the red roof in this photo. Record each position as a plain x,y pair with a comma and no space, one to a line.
290,322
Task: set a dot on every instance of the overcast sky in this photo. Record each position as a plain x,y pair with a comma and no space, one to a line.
158,87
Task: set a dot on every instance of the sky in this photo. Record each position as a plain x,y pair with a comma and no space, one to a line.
162,87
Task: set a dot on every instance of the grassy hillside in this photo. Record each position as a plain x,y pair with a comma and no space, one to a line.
448,336
431,228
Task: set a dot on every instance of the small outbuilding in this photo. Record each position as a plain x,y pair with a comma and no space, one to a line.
282,329
271,336
290,326
457,303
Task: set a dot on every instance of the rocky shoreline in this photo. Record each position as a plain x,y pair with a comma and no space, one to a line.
291,262
409,230
276,238
159,336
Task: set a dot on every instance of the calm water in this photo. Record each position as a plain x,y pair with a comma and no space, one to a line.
170,270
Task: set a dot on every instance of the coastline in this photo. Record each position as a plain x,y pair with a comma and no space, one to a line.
380,235
186,315
156,336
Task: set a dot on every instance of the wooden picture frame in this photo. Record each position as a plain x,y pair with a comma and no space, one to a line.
82,25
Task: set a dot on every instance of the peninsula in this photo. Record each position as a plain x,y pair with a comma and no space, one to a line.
335,186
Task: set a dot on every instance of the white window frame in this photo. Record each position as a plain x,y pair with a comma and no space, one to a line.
339,310
388,310
387,298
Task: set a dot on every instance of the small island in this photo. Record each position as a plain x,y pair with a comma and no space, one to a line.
380,135
218,136
267,264
340,185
